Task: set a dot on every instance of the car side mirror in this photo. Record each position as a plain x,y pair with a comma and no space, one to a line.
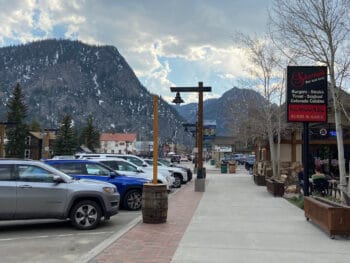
139,170
58,179
113,174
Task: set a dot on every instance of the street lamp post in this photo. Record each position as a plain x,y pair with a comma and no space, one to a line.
199,182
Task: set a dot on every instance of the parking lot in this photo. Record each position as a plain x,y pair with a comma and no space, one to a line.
55,241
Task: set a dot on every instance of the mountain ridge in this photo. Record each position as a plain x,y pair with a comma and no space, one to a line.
64,76
228,111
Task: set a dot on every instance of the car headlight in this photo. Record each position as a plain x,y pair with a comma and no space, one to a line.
109,190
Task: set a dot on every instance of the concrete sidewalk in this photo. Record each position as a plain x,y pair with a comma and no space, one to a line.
234,220
238,221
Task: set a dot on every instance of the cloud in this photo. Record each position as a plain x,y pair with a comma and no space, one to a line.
167,43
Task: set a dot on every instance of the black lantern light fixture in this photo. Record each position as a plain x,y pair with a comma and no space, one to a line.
178,100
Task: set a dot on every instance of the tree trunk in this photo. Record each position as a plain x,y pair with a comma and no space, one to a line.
272,151
340,142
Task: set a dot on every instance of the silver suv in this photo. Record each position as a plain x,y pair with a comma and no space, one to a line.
33,190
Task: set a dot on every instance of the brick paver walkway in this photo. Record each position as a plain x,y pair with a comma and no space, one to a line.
155,243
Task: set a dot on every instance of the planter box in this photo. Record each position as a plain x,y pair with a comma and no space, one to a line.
276,188
334,218
259,179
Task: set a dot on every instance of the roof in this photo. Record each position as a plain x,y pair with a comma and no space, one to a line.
39,135
126,137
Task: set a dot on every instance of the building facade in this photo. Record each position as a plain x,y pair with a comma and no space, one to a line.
122,143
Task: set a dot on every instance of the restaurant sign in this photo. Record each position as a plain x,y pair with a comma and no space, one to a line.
306,94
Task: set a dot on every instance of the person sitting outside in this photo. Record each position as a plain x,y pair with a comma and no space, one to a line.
299,169
320,181
318,174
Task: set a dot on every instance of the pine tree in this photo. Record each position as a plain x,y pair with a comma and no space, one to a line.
90,135
66,139
17,130
35,126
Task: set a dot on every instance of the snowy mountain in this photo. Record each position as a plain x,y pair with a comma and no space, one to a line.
63,76
228,111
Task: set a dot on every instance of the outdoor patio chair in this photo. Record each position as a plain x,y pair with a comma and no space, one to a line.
321,186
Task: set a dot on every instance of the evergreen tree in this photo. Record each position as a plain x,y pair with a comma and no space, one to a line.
35,126
17,130
66,139
90,135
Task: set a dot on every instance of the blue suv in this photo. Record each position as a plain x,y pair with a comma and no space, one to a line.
129,188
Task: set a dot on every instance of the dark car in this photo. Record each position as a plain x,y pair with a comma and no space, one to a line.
175,159
249,163
129,188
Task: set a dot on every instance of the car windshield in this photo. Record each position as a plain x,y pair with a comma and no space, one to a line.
134,160
165,162
120,166
52,169
150,162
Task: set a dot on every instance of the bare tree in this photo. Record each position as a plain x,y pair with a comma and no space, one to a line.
318,32
264,68
247,115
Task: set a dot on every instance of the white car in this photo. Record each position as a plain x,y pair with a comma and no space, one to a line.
127,168
177,180
179,173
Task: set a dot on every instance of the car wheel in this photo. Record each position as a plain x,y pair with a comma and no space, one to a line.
177,183
132,200
86,215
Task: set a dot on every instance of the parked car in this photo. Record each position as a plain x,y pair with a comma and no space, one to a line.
167,163
33,190
129,188
179,174
129,157
130,169
249,162
239,158
133,159
175,159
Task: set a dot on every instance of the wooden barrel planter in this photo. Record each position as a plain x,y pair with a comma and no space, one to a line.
332,217
275,187
259,180
154,203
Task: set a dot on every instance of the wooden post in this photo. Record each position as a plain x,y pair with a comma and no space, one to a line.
200,131
155,139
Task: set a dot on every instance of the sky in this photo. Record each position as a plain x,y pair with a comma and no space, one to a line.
167,43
